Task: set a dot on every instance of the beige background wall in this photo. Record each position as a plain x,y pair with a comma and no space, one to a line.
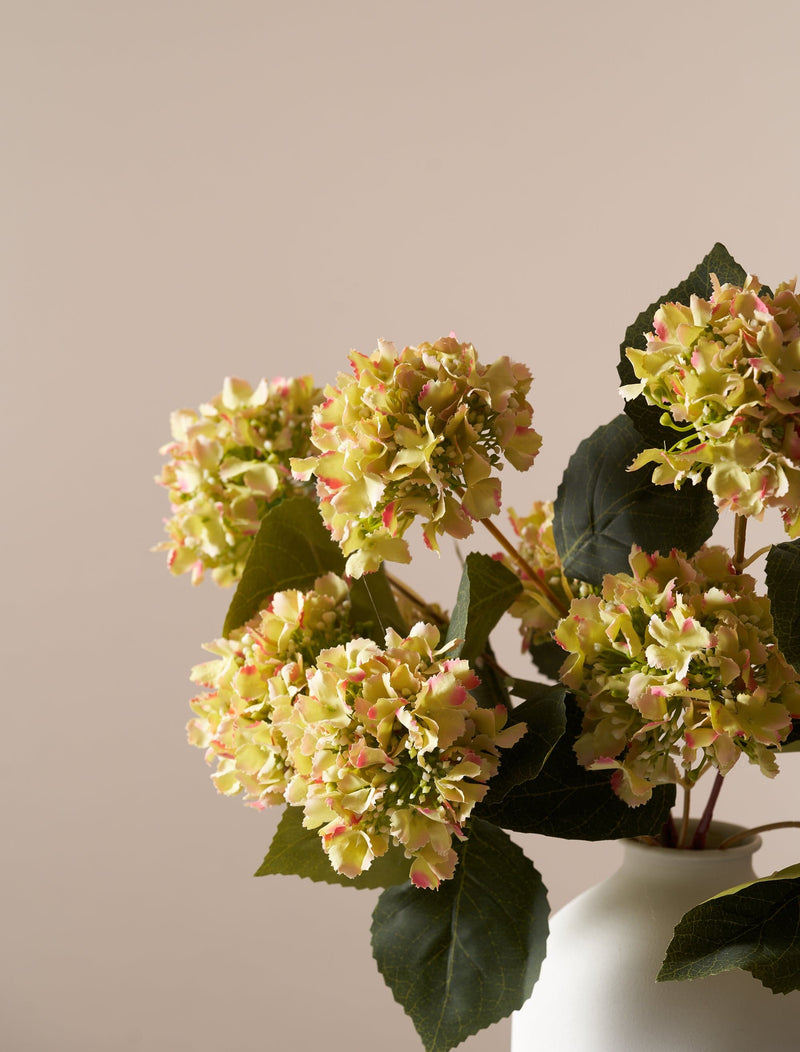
195,189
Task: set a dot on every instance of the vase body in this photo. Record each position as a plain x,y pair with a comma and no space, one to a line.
597,990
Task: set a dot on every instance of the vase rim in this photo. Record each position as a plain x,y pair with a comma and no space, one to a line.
718,832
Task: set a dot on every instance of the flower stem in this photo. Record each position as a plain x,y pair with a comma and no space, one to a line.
417,600
699,839
669,834
558,607
729,841
488,658
687,803
739,536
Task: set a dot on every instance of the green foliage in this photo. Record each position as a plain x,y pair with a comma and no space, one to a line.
544,714
291,550
296,851
486,591
646,418
565,800
753,927
783,587
548,657
602,508
492,690
463,957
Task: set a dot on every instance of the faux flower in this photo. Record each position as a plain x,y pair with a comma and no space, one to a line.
229,462
390,748
727,371
258,668
676,667
418,433
537,615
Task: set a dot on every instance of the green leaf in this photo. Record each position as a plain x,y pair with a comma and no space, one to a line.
783,588
565,800
291,550
465,956
544,714
602,509
548,658
530,691
374,604
755,927
486,591
492,690
296,851
646,417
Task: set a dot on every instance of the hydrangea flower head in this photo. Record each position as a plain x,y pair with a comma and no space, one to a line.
676,667
390,748
727,371
229,462
536,544
419,433
258,670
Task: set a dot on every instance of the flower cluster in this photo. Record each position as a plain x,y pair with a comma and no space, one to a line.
389,747
417,433
727,371
537,614
379,746
677,661
258,671
229,462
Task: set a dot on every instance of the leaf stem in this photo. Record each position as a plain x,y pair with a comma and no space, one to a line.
728,841
756,555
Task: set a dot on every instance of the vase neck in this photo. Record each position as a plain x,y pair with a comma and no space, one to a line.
707,872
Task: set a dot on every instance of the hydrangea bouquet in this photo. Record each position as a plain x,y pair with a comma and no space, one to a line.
400,749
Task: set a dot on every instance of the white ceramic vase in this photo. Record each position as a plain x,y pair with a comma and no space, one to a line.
597,990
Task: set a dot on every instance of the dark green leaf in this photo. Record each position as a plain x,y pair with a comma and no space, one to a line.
548,658
296,851
465,956
544,714
486,591
292,548
530,691
374,605
565,800
602,508
646,417
492,690
755,927
783,588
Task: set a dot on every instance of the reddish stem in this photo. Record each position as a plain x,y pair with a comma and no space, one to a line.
700,834
669,834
